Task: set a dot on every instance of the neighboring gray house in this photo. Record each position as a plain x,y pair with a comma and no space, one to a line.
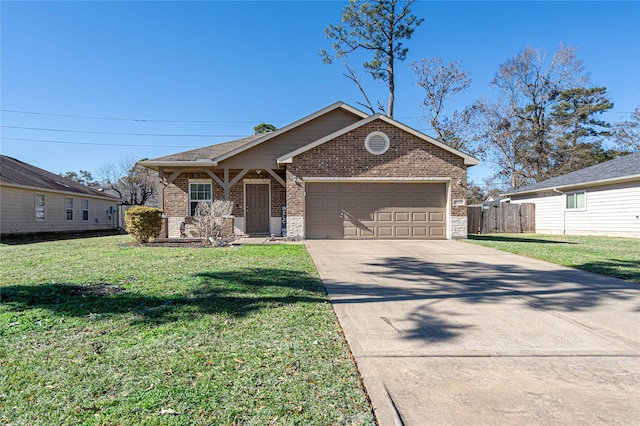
33,200
338,173
599,200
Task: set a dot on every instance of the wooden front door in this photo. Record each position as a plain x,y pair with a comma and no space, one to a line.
257,210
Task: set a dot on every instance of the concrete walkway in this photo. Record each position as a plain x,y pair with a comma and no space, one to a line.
449,333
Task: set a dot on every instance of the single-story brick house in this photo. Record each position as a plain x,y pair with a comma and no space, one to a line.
601,200
337,173
33,200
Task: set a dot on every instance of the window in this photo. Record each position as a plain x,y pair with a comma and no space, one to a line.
576,200
198,193
85,209
40,207
69,206
377,143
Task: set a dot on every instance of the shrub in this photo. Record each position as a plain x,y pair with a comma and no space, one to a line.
143,222
209,218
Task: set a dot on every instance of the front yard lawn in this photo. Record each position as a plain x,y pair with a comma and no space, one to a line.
97,331
614,257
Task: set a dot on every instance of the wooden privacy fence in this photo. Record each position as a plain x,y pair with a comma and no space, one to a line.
501,218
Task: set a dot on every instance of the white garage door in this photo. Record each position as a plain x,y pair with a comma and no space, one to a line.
375,210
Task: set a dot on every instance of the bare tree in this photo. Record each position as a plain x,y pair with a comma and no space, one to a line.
440,82
501,137
529,84
133,184
627,133
209,219
378,27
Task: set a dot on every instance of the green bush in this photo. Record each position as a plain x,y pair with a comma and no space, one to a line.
143,223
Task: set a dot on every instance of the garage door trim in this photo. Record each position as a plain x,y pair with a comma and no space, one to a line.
382,180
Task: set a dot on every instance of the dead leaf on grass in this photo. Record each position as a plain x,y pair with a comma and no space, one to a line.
169,412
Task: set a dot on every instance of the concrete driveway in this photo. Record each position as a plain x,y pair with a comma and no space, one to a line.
446,332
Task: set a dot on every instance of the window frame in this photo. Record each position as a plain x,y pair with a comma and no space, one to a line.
192,207
68,210
573,195
44,208
385,138
84,203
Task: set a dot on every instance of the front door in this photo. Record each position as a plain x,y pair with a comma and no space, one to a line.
257,214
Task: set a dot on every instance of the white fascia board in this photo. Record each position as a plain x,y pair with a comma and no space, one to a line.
291,126
287,158
155,165
600,182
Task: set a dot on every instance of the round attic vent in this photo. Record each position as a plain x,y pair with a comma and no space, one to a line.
377,143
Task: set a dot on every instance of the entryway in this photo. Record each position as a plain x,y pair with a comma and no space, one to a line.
257,208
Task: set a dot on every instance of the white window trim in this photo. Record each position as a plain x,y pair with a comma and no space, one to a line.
575,209
196,181
82,210
66,209
44,207
372,135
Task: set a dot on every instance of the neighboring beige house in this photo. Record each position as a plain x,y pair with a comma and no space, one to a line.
33,200
599,200
337,173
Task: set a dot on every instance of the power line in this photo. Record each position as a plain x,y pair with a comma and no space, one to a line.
101,144
122,133
137,120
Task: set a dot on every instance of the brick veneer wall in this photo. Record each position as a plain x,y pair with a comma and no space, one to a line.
176,194
407,157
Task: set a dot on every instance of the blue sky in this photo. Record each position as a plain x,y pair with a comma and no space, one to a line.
219,68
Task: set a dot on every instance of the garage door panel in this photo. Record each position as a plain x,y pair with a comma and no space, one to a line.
402,231
436,231
436,217
385,216
419,231
402,216
419,216
375,210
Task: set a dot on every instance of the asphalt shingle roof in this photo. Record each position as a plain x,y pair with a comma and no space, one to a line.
16,172
209,152
618,168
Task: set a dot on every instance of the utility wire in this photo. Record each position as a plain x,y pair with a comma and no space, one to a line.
101,144
137,120
122,133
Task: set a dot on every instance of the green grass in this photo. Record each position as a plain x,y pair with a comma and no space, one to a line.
614,257
96,331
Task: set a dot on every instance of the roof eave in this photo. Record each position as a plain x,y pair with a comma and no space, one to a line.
156,165
100,196
599,182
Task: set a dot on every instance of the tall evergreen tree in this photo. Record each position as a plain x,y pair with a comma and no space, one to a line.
579,143
378,27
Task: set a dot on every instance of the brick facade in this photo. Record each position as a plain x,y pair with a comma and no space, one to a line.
176,194
409,157
346,156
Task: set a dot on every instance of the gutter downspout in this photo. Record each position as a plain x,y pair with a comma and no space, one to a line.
564,213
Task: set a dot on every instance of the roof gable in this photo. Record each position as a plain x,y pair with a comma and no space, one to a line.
292,126
622,168
17,173
287,158
214,154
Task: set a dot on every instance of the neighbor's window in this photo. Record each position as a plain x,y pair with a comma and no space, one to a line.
576,200
40,207
85,209
198,193
69,206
